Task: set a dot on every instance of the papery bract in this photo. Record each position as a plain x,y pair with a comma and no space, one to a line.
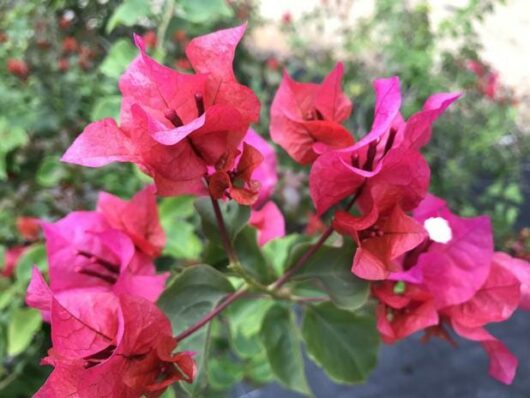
521,270
454,271
175,126
386,161
109,346
266,173
381,241
303,114
400,315
269,222
237,183
138,218
84,252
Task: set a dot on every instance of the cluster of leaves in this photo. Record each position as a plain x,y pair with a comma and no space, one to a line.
258,339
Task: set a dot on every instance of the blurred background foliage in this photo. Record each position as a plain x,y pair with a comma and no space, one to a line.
60,61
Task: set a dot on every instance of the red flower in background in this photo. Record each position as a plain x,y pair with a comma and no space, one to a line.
28,227
10,260
303,114
487,79
70,45
175,126
18,68
107,345
63,64
150,39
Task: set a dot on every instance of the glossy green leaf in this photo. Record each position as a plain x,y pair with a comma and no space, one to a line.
201,11
50,172
108,106
259,369
331,268
246,316
192,294
34,255
281,341
11,137
189,297
277,251
120,55
23,325
343,343
224,372
128,13
251,257
175,216
235,218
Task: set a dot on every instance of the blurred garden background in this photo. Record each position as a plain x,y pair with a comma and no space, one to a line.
60,61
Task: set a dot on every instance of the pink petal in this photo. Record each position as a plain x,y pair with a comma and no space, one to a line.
38,295
418,128
521,270
503,364
496,300
330,99
266,172
99,144
137,217
269,222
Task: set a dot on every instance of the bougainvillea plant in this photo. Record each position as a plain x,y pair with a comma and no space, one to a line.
393,260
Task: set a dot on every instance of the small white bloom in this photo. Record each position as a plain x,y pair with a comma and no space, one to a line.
438,229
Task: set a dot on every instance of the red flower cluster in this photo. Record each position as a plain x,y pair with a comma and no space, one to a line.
181,129
487,79
454,278
109,339
433,267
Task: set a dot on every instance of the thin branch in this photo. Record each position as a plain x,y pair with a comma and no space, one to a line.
308,254
212,314
229,299
225,238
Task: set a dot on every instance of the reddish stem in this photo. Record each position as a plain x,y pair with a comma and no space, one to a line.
280,282
225,238
212,314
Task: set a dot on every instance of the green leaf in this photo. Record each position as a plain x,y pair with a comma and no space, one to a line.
50,172
106,107
34,255
23,325
192,294
11,137
223,372
202,11
174,216
120,55
331,267
128,13
251,258
278,336
246,316
344,344
259,369
277,251
246,346
235,218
